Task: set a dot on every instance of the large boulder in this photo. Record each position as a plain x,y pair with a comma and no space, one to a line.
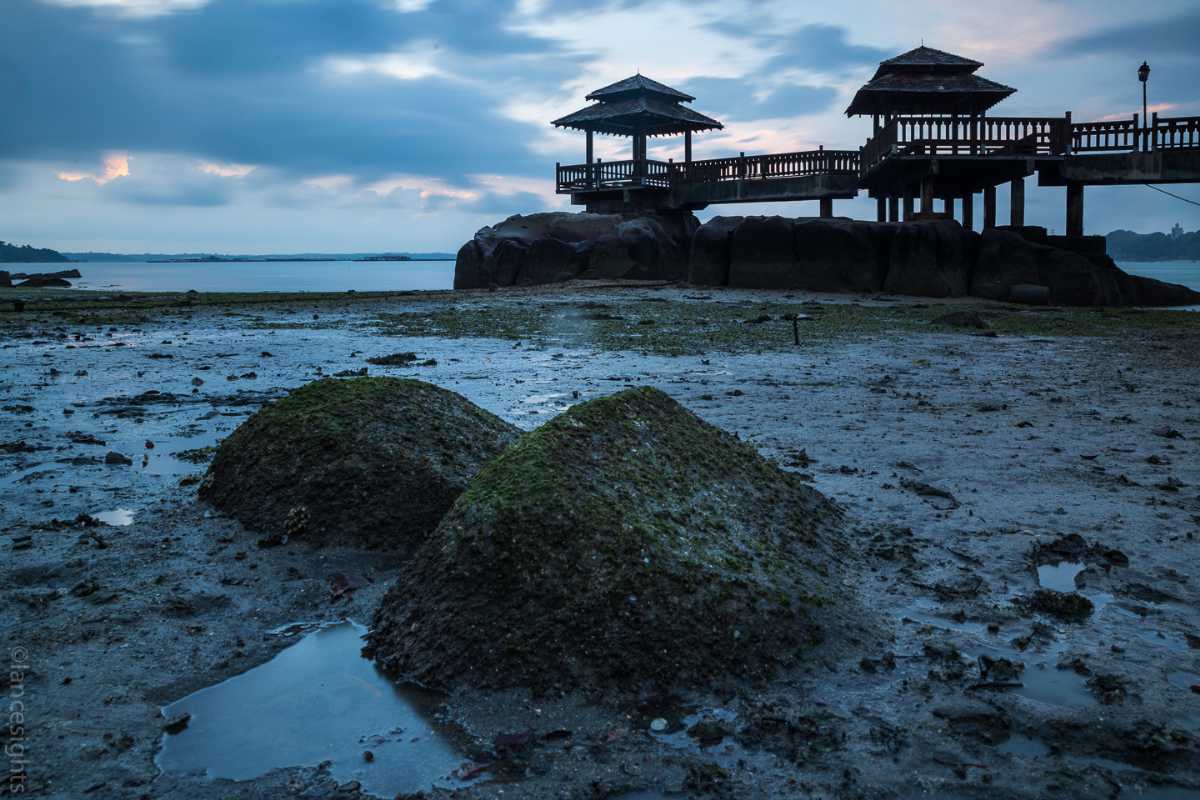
818,254
624,542
559,246
709,261
370,462
1073,273
930,258
5,279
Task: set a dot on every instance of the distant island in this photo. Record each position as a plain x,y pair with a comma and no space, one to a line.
1174,246
239,258
25,254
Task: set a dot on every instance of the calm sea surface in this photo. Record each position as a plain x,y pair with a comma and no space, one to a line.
274,276
363,276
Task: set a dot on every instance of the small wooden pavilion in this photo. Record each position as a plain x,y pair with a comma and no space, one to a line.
638,107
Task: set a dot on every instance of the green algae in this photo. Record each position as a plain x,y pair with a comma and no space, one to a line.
624,539
373,461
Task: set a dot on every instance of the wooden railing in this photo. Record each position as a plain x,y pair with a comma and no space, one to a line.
643,172
902,136
967,136
1177,133
1100,137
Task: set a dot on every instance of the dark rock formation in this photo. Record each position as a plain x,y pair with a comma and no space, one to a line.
763,253
929,258
43,281
560,246
5,279
366,461
623,542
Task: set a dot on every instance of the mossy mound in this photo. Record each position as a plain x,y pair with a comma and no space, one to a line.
368,461
625,542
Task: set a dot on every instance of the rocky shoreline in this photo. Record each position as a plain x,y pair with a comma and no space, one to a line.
924,258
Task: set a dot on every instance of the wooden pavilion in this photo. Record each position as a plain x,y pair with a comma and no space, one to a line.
638,107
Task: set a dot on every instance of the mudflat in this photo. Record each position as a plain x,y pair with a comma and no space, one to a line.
1020,501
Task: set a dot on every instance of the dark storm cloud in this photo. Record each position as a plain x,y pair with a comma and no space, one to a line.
234,81
1178,35
730,98
823,48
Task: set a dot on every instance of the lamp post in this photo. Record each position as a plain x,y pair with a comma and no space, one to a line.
1144,77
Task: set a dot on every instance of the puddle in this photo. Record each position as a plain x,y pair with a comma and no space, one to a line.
117,517
318,700
1046,683
1021,745
1061,576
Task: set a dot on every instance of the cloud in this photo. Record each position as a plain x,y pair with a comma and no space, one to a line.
1175,35
134,8
820,48
115,166
733,98
249,84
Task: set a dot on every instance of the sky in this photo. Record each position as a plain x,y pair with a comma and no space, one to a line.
260,126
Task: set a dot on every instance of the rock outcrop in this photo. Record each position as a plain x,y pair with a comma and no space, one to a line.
624,542
559,246
5,279
928,258
44,281
372,462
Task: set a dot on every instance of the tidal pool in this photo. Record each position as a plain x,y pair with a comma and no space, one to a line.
318,700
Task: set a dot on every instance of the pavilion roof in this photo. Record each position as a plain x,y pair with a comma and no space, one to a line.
928,59
649,115
927,81
638,84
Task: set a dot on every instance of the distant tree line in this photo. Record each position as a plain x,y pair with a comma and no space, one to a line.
1154,246
11,253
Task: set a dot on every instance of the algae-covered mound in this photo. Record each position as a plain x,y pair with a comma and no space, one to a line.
367,461
623,542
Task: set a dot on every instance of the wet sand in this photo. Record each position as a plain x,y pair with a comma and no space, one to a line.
955,455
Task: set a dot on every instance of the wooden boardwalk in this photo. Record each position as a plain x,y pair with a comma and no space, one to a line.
932,139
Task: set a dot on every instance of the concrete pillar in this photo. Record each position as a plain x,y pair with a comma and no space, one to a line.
881,209
826,207
1074,209
989,207
1016,197
894,208
927,195
968,210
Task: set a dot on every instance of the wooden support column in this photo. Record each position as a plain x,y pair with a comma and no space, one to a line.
1016,202
948,207
968,210
894,208
826,207
927,195
1074,209
881,209
589,147
989,207
908,203
687,147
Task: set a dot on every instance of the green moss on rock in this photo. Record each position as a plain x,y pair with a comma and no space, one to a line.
622,542
366,461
